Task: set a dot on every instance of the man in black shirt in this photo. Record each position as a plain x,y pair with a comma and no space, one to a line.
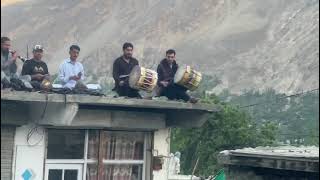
122,67
36,68
166,71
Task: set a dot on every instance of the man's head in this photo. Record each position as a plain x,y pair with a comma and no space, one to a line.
5,44
127,50
37,52
74,52
171,55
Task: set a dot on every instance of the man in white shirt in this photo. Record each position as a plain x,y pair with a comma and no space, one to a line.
71,71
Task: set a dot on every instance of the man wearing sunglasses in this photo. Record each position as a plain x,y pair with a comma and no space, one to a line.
166,72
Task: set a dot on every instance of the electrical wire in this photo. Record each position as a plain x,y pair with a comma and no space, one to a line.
284,97
36,127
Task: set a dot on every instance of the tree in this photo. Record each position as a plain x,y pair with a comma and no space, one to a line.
231,128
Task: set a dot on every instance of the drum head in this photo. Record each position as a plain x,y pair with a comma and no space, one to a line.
179,74
134,77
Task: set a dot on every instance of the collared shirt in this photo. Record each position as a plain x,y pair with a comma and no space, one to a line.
68,69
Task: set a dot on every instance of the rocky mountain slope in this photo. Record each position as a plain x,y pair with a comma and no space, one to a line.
246,43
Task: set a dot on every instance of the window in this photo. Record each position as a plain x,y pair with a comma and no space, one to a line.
63,172
65,144
121,155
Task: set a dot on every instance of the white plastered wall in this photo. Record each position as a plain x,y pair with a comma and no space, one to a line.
29,155
162,148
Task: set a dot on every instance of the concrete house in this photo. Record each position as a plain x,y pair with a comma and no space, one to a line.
81,137
276,163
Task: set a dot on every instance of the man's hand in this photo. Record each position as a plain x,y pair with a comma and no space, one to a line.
75,78
14,56
38,77
46,76
164,83
121,83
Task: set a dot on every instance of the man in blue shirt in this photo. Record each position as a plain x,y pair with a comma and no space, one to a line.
71,71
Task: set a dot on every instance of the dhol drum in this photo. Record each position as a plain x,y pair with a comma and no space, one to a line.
187,77
142,78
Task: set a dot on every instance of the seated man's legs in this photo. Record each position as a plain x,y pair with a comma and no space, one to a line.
176,92
134,93
121,91
5,80
168,92
36,85
128,92
181,93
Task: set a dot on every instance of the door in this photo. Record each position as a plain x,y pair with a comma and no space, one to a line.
63,172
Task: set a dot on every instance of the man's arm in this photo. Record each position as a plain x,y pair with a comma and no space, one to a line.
137,62
116,72
161,76
25,69
10,61
46,72
82,72
6,64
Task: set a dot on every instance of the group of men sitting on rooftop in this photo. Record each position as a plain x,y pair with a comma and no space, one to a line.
71,72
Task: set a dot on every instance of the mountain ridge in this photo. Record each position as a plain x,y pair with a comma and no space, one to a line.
246,43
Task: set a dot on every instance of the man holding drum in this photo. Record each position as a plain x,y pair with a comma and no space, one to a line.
122,67
166,73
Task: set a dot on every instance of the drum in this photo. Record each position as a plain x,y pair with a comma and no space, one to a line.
46,85
187,77
142,78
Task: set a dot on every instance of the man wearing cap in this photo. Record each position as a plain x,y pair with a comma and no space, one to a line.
71,71
122,67
8,62
36,68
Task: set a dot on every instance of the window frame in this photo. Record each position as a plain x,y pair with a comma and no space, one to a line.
85,161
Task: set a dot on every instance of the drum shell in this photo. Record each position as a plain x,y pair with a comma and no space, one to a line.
46,85
188,78
142,78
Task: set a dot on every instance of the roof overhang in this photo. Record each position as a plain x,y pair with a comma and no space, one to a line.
100,111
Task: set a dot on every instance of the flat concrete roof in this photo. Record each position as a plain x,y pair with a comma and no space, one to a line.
82,99
309,152
285,157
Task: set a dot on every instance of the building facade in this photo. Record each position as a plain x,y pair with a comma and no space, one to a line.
79,137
